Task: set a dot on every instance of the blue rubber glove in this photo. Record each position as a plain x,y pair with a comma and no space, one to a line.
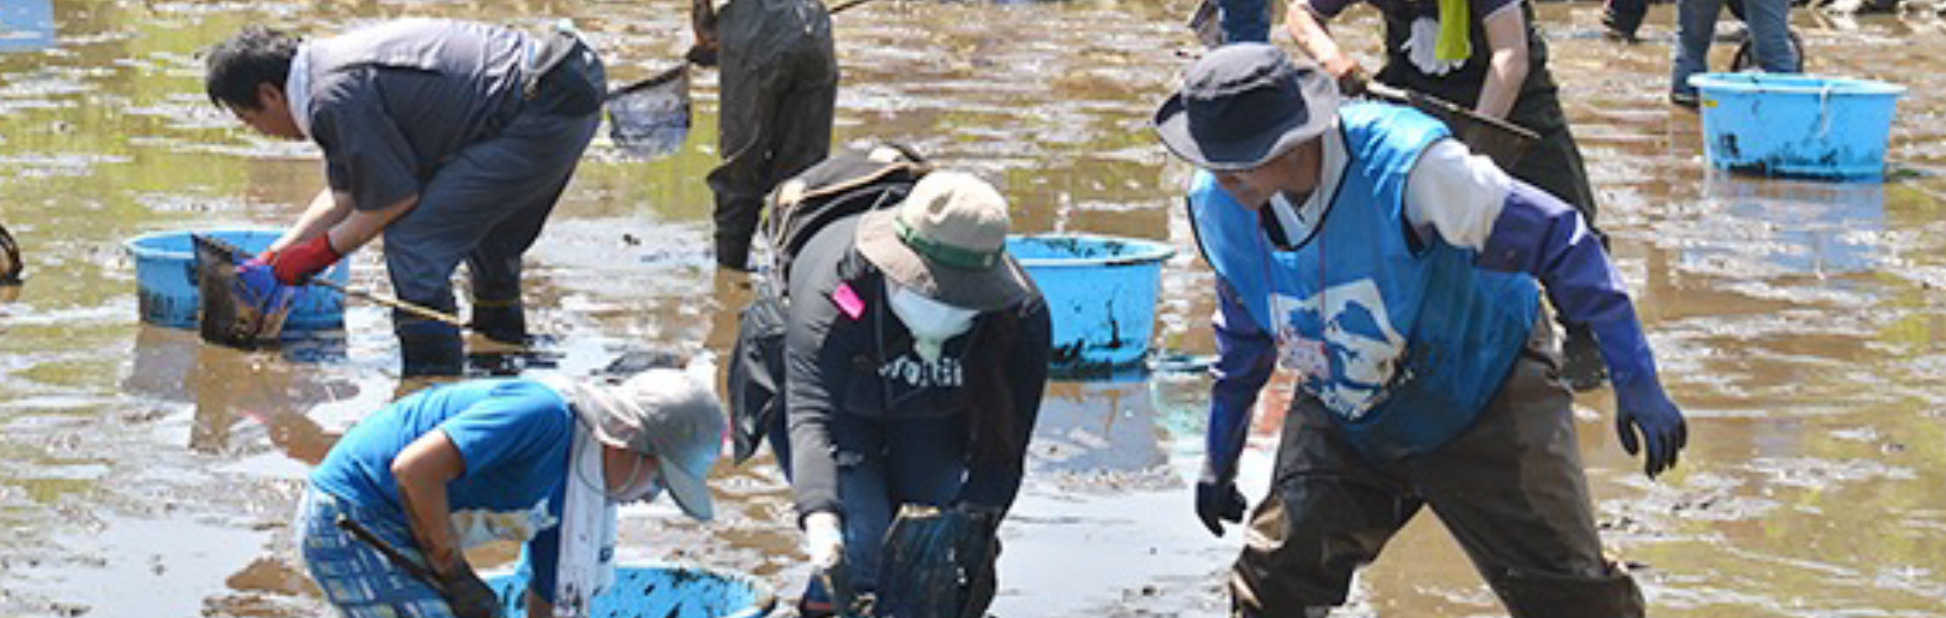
1640,405
257,284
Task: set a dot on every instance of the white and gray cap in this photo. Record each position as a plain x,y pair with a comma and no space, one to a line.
666,413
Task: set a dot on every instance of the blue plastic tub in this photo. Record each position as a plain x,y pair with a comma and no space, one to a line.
165,280
659,590
1796,125
1101,293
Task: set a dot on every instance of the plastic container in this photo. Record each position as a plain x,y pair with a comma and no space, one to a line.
165,280
658,590
1796,125
1100,292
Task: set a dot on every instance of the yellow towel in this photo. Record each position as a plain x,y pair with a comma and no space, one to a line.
1454,41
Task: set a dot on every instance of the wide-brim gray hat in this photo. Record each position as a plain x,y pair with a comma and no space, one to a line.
666,413
1244,104
948,242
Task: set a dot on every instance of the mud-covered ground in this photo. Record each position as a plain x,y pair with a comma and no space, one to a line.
1801,324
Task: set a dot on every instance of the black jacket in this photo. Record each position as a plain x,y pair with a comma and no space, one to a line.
865,366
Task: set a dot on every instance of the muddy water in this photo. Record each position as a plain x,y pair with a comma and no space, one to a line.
1802,324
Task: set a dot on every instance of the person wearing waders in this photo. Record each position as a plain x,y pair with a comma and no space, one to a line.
1487,56
453,140
543,463
915,355
779,89
1399,276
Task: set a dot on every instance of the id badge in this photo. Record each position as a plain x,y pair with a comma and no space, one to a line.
1302,354
1296,352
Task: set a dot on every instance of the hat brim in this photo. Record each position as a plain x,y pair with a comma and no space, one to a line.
690,491
1172,126
877,239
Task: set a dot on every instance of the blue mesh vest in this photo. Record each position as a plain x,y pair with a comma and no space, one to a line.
1403,345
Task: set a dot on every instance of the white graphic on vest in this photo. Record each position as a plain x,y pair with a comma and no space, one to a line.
1358,341
917,373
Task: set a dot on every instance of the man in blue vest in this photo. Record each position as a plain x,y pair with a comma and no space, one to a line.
1364,249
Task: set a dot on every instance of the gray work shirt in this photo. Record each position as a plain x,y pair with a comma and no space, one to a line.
389,103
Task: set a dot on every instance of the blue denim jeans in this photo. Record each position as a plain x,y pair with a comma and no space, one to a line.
1245,21
882,464
1769,22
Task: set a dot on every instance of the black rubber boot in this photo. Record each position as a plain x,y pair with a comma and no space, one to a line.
1581,364
1620,26
431,354
733,252
502,321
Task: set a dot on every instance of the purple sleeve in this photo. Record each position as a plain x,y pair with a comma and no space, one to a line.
1542,236
1245,356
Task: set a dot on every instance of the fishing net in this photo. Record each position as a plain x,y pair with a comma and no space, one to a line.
651,117
936,563
1500,141
229,314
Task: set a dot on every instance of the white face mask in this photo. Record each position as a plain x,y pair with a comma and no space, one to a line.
931,322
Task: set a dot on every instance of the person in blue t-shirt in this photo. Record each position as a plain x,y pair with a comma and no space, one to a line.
543,463
1399,276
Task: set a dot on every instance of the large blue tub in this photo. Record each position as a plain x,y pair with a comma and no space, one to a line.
165,280
1101,293
659,590
1796,125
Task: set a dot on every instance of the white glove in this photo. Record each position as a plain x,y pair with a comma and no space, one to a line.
824,542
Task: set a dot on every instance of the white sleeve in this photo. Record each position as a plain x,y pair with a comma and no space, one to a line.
1455,194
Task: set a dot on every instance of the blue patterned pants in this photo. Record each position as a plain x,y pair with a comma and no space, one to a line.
356,578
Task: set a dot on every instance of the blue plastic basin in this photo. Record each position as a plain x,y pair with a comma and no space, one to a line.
1100,292
1796,125
659,590
165,280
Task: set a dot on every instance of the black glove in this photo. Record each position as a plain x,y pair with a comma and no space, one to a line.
701,55
1353,82
466,594
1218,502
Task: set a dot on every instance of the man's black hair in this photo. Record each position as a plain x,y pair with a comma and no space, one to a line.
235,67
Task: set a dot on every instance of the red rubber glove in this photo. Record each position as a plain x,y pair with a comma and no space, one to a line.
296,264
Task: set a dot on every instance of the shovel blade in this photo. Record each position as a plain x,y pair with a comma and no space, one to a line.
651,119
226,316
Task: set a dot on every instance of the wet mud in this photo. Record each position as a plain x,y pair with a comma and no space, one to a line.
1801,324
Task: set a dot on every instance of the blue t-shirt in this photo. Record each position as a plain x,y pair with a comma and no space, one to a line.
514,437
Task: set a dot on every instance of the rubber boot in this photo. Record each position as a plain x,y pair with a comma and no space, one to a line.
1620,26
733,252
503,321
431,353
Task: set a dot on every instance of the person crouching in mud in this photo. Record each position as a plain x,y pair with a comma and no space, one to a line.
541,462
915,357
1400,276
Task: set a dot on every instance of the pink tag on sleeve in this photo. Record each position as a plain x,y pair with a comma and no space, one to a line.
848,301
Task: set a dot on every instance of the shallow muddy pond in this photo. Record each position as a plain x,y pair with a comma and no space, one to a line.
1801,324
